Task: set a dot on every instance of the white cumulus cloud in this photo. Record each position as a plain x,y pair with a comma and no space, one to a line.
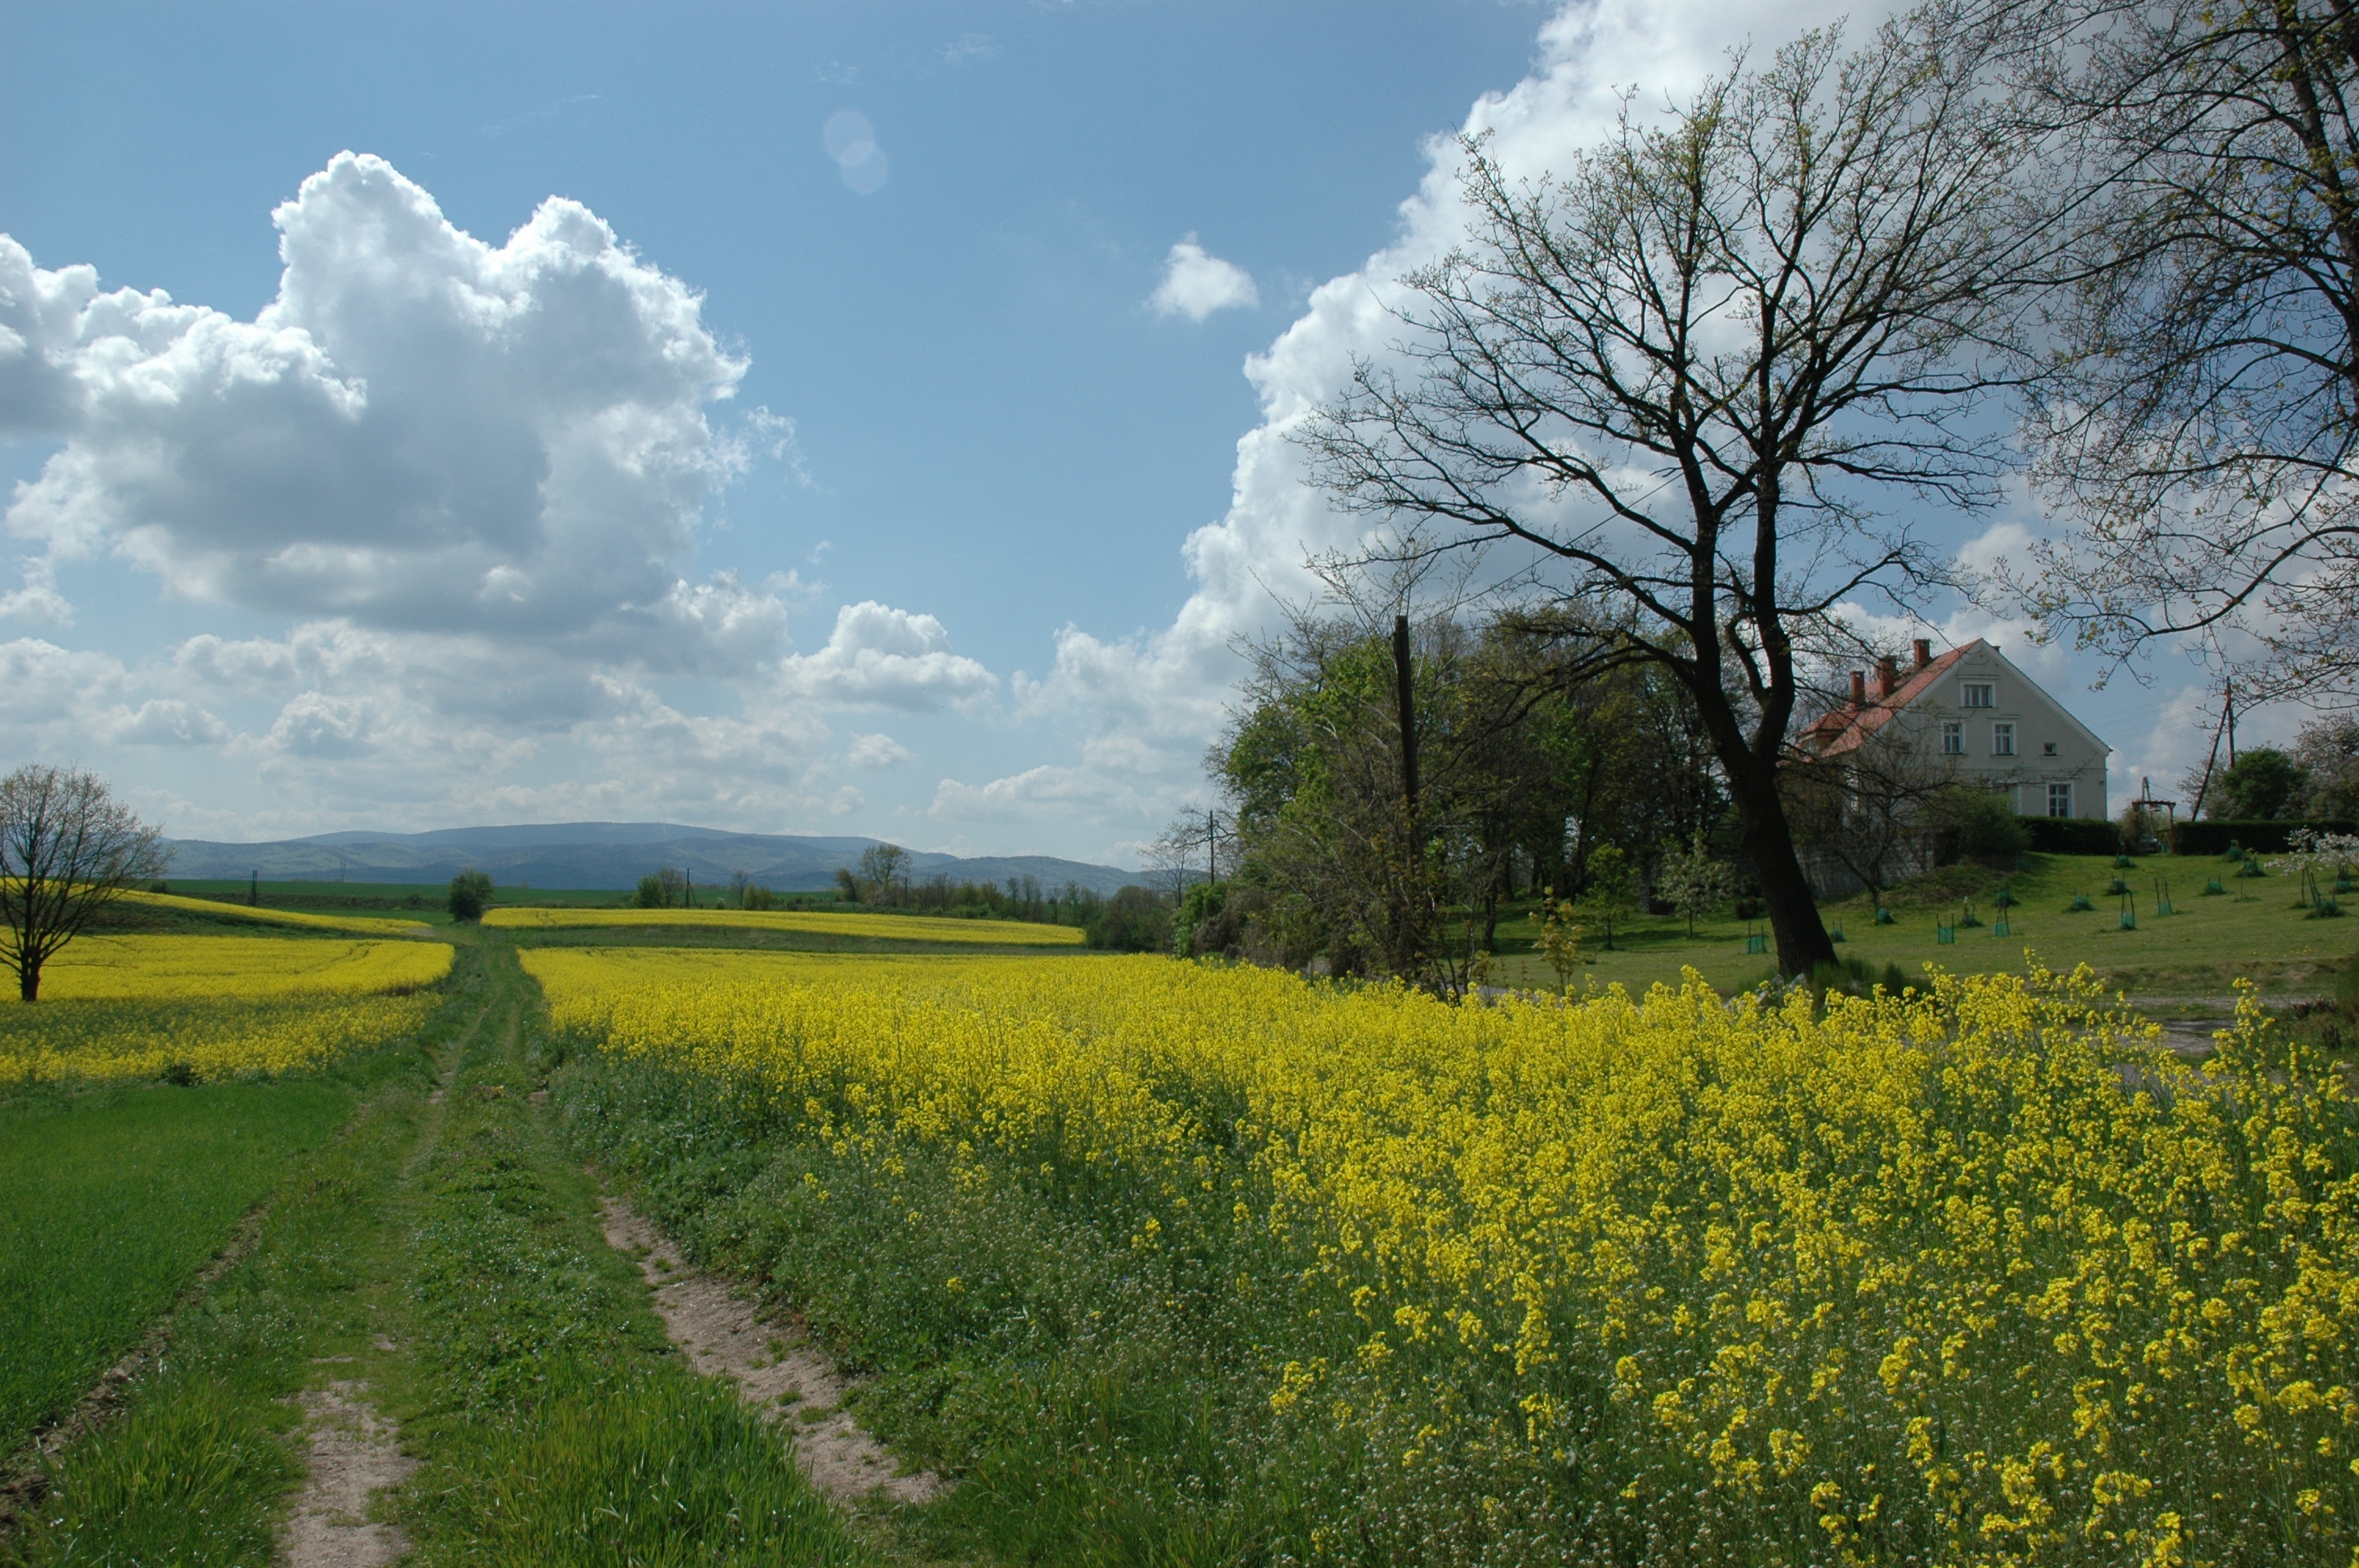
164,721
885,657
1196,283
423,431
876,752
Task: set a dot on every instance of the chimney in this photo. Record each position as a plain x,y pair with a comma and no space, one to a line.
1859,688
1887,676
1924,652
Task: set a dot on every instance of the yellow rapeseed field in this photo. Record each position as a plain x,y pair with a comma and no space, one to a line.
214,1006
222,909
159,968
1980,1275
888,927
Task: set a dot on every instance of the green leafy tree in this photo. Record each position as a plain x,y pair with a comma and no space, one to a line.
2262,786
664,888
470,895
1136,920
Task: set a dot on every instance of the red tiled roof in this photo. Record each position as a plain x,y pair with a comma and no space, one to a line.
1847,727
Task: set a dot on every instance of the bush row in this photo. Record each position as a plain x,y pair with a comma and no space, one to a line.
2072,835
2266,837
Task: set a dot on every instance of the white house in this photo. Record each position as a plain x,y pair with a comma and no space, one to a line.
1974,716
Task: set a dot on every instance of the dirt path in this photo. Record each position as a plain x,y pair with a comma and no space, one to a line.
775,1369
351,1455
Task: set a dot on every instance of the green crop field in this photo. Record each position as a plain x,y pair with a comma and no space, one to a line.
113,1200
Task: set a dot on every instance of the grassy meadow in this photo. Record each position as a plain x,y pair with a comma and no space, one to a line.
2252,930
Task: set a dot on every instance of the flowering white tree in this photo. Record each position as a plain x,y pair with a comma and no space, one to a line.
1693,881
2313,856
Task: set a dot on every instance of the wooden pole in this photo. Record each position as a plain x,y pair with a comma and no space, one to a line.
1406,695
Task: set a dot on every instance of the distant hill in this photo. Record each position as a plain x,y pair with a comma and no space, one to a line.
599,855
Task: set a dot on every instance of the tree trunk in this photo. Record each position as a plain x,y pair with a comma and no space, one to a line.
28,979
1802,942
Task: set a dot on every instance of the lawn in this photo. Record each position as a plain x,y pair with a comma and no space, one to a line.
114,1200
2191,956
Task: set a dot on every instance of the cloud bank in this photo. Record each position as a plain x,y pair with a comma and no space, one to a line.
463,476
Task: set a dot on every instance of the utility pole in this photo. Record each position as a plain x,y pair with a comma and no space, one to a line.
2226,727
2229,687
1406,695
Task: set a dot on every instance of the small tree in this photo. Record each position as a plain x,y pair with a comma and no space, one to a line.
1611,884
884,871
470,895
663,888
1559,940
748,893
68,848
1693,881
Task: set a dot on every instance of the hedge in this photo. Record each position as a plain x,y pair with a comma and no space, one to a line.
2268,836
2072,835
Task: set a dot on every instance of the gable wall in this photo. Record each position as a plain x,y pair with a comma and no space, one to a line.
2039,721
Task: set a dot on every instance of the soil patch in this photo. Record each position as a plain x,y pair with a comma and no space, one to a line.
351,1455
775,1367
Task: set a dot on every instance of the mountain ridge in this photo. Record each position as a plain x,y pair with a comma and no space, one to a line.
579,855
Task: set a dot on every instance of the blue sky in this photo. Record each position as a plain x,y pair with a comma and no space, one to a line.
916,474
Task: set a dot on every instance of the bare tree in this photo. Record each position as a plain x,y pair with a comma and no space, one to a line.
68,848
1861,800
2197,423
1680,374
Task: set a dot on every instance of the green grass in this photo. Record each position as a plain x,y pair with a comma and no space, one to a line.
2192,956
115,1199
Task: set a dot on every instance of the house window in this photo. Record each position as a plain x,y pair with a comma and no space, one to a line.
1980,694
2002,740
2060,800
1953,739
2047,748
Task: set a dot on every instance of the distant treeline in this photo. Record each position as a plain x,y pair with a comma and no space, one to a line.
1134,920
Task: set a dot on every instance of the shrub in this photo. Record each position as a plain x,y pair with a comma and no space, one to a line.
1978,823
2071,835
